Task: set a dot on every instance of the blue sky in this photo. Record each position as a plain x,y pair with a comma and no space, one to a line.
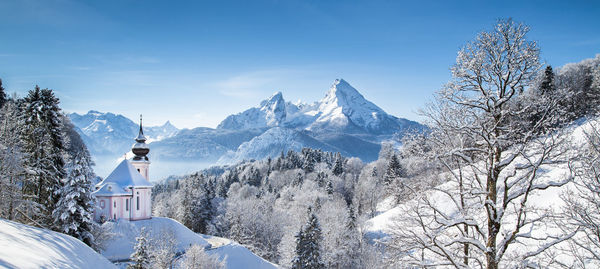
195,62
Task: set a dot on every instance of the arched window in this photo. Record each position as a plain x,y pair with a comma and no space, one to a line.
115,204
127,205
138,203
102,205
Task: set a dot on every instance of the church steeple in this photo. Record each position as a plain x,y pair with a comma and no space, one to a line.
141,138
140,148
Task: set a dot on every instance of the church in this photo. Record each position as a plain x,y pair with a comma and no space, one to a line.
125,193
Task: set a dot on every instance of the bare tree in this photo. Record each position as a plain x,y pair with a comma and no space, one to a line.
582,203
493,165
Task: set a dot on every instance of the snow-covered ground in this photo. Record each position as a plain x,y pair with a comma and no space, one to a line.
237,255
23,246
383,225
124,232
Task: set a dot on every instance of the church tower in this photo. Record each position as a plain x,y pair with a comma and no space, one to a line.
140,149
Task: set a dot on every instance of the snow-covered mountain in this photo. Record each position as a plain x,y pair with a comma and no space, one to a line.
271,112
107,133
343,121
343,109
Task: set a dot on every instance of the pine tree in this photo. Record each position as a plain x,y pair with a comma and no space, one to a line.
2,95
394,171
73,214
547,85
338,168
329,187
141,254
12,163
308,250
43,143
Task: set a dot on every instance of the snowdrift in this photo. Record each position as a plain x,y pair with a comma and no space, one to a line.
23,246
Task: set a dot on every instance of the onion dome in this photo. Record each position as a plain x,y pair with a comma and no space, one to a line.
140,148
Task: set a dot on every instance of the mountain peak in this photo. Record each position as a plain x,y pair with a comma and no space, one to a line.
168,124
340,89
272,101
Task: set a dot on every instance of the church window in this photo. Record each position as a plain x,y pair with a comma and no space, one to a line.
102,204
138,203
127,205
115,204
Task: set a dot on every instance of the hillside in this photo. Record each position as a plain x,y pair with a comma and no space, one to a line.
162,230
394,223
23,246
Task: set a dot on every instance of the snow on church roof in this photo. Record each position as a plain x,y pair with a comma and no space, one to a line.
123,177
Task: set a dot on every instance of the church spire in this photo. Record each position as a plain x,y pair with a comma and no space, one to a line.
140,138
140,149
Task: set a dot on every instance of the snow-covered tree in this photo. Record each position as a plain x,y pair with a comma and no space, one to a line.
582,204
2,95
141,255
13,204
196,258
338,167
43,143
162,250
493,167
308,245
73,214
340,234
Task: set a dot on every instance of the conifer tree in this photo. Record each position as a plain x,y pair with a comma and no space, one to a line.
2,95
12,162
308,241
73,214
547,85
141,254
338,168
394,171
43,143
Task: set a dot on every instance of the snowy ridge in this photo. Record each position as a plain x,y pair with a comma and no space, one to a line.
271,112
23,246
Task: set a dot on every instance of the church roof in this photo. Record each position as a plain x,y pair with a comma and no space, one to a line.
123,177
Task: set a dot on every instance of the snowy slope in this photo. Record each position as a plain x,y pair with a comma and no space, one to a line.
273,142
237,255
23,246
121,245
382,226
